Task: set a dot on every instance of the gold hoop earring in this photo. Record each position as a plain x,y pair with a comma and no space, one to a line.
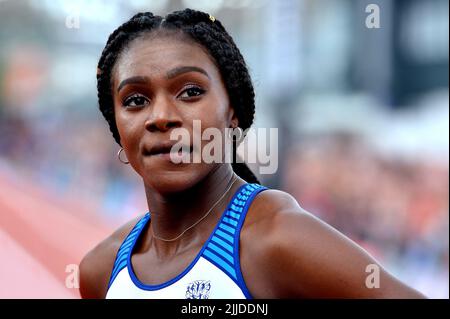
118,155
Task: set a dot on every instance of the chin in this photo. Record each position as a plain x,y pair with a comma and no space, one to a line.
174,181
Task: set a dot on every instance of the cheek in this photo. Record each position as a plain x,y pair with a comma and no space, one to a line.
128,130
215,120
130,138
214,112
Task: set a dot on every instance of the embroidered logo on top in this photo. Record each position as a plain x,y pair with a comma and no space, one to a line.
198,289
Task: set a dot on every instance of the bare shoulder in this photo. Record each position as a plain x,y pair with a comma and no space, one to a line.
288,252
259,238
269,208
97,264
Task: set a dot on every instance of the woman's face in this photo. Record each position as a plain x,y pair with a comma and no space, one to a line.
161,84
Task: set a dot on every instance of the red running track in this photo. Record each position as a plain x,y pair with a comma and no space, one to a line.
39,236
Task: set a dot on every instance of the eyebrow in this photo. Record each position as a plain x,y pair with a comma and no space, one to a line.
133,80
170,75
185,69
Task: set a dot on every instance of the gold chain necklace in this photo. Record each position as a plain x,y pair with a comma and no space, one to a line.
203,217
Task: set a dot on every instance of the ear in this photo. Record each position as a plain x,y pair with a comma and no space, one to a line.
232,118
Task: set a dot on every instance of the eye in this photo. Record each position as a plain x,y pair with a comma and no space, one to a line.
191,92
135,100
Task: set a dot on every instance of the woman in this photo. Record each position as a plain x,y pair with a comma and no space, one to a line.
212,231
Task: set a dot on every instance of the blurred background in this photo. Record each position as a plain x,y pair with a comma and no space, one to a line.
362,113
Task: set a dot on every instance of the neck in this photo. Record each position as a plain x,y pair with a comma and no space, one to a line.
174,213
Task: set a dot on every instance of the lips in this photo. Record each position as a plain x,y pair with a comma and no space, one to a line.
162,148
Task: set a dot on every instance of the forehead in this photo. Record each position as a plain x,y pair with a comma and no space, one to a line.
154,56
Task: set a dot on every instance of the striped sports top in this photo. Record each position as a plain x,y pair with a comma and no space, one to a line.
214,273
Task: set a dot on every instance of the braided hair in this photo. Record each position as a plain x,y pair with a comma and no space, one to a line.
203,29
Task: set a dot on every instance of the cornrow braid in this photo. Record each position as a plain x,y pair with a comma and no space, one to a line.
208,32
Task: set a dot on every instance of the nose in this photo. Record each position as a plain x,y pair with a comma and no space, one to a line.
163,116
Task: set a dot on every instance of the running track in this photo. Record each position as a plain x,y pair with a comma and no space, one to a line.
39,236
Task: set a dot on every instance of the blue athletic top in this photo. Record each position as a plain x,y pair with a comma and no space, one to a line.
214,273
